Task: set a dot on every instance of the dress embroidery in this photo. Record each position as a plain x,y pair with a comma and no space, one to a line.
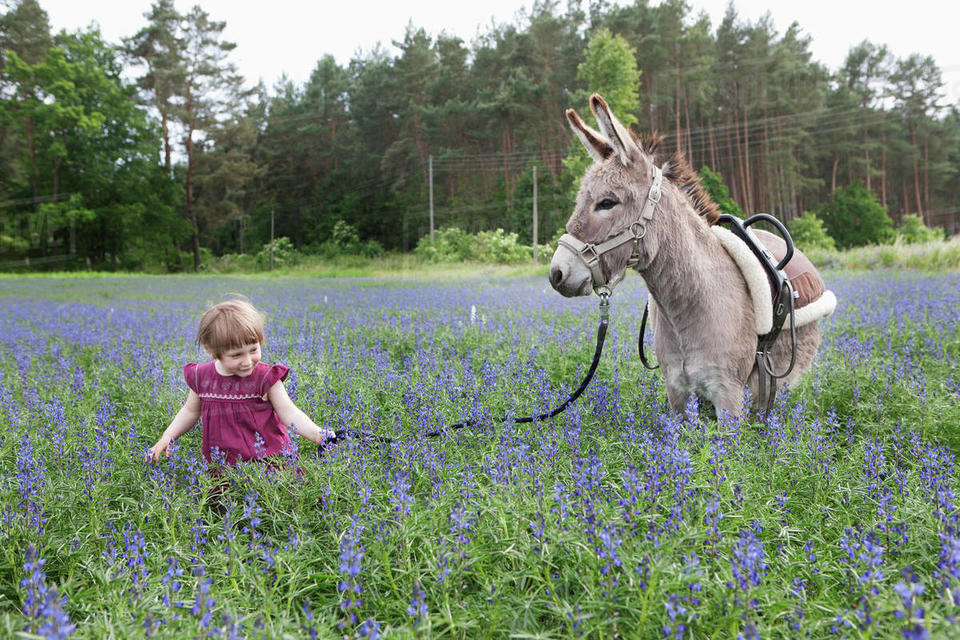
237,419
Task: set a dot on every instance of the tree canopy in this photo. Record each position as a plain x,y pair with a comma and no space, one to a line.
185,161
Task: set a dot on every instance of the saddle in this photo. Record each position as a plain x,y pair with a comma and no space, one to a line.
812,299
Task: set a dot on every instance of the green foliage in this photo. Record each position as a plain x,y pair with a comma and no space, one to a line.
500,247
450,245
344,240
913,231
610,69
89,149
353,142
853,217
808,232
490,247
284,254
713,184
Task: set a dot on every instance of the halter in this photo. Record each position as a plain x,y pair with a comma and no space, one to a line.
590,253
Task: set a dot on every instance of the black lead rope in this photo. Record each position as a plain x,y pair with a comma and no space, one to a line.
643,329
342,434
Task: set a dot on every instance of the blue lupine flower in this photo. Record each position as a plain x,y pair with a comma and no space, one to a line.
351,559
418,609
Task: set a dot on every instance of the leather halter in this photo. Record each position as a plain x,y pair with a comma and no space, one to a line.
590,253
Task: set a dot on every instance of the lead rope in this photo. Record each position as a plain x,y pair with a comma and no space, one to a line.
643,329
342,434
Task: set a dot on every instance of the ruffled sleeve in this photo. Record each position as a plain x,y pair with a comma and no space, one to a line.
190,375
277,372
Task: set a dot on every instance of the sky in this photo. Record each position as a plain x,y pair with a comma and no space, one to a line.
285,36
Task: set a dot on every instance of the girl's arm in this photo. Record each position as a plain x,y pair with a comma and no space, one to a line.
185,420
290,414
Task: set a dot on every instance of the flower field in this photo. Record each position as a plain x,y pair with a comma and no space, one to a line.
837,517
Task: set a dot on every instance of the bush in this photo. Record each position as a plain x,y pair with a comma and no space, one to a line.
450,245
491,247
808,233
345,240
854,218
713,184
284,254
499,247
913,231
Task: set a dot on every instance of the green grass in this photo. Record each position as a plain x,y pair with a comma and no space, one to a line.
809,482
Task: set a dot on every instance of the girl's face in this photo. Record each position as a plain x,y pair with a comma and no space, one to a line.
241,361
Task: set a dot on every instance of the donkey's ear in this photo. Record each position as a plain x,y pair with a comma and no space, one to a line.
595,144
618,135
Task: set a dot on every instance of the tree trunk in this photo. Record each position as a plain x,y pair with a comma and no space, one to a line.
883,171
926,180
833,173
191,212
740,172
748,178
866,159
32,151
916,174
676,114
905,209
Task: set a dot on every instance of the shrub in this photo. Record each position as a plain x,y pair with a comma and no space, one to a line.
854,218
713,184
499,247
345,240
284,254
808,232
450,245
913,231
491,247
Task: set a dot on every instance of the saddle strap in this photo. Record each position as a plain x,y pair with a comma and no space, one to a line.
765,400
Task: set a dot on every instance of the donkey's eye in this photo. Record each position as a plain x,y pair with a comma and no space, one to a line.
606,204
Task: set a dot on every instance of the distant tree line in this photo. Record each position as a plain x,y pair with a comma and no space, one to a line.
186,162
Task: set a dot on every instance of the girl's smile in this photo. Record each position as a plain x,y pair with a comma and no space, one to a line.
239,362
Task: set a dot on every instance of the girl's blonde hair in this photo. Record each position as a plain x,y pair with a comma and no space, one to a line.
229,325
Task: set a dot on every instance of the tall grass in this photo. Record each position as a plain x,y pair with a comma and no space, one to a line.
834,518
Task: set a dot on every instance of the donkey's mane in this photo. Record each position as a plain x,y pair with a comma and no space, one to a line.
677,170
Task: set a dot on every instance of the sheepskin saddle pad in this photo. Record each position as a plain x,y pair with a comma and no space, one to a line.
812,299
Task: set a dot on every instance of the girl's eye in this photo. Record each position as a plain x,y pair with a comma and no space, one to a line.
606,204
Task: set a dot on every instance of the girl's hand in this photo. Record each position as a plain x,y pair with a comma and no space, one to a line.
162,446
328,435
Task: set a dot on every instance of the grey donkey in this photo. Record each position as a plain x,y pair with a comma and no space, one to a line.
659,222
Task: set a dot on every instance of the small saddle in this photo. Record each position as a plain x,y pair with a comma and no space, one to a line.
812,299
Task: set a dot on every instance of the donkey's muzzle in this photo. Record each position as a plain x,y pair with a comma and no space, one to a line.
568,275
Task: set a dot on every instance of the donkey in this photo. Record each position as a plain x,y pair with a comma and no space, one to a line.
629,213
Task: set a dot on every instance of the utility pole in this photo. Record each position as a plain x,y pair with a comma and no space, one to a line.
430,171
534,214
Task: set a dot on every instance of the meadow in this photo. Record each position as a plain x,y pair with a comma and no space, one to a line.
835,517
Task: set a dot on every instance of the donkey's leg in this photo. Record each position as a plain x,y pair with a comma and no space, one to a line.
677,398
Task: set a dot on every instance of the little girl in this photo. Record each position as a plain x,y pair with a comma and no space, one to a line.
241,402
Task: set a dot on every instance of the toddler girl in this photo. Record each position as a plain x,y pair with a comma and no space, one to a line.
241,402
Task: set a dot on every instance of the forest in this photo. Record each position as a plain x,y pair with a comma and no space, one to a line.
154,153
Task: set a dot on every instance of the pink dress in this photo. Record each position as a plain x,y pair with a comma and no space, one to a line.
234,410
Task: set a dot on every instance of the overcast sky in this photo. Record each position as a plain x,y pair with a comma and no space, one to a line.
280,36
